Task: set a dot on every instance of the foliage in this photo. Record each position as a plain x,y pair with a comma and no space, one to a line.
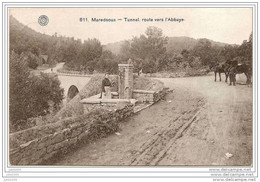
151,51
147,51
31,59
30,95
19,92
245,50
241,54
205,51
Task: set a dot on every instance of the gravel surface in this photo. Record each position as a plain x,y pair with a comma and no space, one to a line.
201,122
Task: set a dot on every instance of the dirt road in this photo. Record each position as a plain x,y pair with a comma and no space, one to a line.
197,124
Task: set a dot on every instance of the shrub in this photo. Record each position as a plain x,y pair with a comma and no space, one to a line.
30,95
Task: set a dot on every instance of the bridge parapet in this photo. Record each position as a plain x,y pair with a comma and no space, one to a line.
73,74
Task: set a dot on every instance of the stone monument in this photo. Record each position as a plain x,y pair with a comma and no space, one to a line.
126,80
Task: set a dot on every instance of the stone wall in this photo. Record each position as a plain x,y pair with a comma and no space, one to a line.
90,107
159,94
70,127
179,73
40,144
143,96
149,96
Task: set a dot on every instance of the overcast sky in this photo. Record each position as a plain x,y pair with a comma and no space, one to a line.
228,25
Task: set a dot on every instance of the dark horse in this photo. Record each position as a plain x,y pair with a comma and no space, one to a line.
246,69
240,69
219,68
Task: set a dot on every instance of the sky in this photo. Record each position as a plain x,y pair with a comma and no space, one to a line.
228,25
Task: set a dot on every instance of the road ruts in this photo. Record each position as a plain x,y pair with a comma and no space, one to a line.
153,150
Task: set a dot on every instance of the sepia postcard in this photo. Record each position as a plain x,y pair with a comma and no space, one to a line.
130,90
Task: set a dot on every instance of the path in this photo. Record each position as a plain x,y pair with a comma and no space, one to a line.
197,124
54,69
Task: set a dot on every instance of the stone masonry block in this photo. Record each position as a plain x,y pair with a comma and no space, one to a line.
57,137
38,154
76,132
73,141
61,144
50,148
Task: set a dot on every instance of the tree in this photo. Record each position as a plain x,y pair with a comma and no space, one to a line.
185,53
245,50
108,62
205,51
156,41
31,59
229,52
90,53
45,88
150,49
19,92
30,95
125,53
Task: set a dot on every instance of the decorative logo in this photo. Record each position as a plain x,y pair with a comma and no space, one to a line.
43,20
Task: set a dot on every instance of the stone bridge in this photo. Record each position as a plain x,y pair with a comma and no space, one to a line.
71,83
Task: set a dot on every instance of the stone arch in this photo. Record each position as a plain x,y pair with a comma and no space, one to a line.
72,92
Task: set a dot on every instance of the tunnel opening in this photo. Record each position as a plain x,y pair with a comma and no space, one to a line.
72,92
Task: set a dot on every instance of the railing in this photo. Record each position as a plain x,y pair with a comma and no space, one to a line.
72,73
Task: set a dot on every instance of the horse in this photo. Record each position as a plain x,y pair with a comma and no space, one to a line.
219,68
246,69
240,69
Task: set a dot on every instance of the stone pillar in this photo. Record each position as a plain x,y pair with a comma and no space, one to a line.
126,80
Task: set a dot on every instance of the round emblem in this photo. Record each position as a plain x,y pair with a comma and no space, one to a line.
43,20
